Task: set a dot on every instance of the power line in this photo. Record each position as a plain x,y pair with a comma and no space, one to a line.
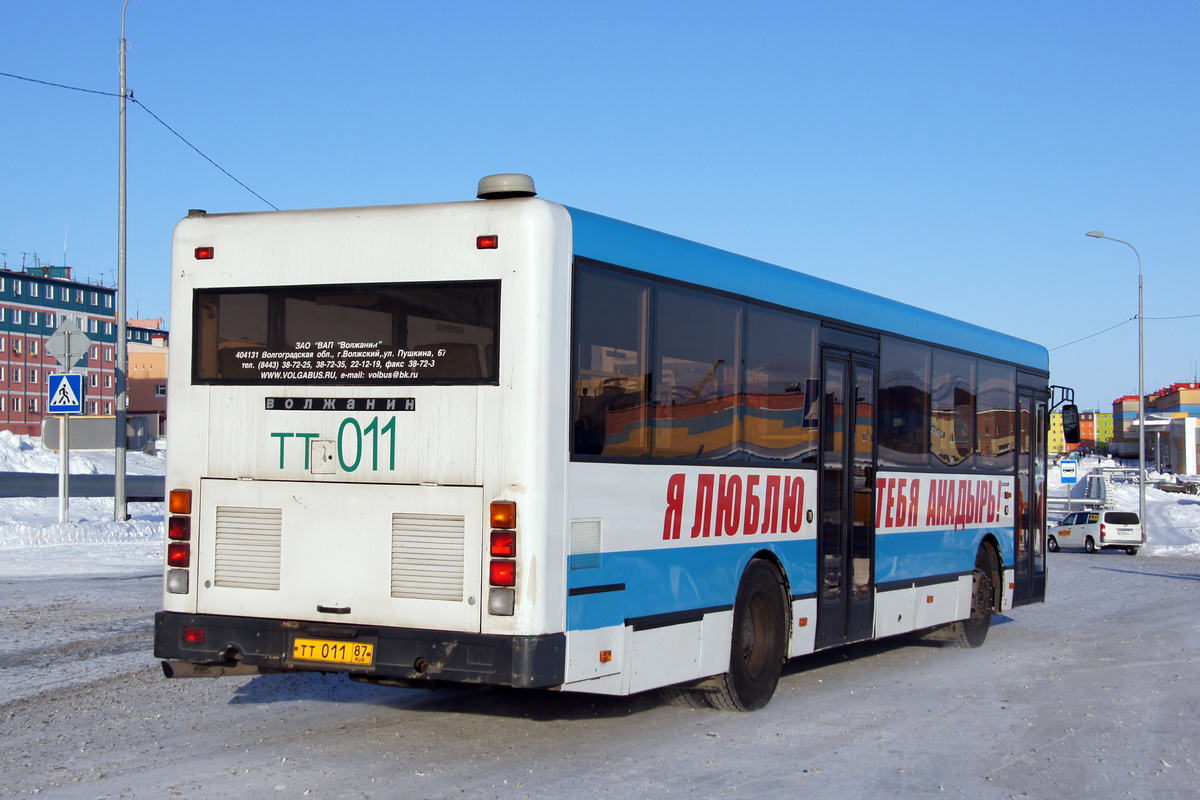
1119,324
156,118
206,158
59,85
1094,335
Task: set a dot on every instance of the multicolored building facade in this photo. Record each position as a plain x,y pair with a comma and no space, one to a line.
33,303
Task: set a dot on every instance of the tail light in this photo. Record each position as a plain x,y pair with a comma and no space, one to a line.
179,532
1103,532
503,573
179,528
179,554
502,569
504,544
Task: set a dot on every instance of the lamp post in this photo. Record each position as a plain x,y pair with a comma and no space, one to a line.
1141,383
120,506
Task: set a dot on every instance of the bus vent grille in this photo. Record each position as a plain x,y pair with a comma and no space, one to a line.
585,543
427,556
248,547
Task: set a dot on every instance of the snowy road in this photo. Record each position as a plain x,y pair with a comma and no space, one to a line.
1094,694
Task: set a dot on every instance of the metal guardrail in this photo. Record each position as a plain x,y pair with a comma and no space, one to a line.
1059,505
138,488
1096,495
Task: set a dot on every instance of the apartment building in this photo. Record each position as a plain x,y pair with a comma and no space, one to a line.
33,302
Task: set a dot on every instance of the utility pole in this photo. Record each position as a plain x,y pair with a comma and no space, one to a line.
120,506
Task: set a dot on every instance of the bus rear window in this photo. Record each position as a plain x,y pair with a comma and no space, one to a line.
361,334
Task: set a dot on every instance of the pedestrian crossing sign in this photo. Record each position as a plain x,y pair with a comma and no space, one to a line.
65,394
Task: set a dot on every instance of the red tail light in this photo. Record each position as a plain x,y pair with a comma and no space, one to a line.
503,573
504,544
179,528
193,635
179,554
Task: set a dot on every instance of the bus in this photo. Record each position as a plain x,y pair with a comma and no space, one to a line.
506,442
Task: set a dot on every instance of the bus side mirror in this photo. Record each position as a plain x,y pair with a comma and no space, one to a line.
1070,421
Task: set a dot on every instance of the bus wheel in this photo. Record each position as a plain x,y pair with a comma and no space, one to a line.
972,631
759,643
1052,545
682,697
1089,544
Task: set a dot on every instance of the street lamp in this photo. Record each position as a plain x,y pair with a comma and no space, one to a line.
120,505
1141,383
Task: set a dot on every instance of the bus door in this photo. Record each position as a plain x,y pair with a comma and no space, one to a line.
846,529
1030,514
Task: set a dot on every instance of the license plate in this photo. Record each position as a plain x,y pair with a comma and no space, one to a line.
328,651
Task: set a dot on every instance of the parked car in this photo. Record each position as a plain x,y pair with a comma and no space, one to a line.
1098,530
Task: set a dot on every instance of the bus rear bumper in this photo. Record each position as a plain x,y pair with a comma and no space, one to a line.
202,645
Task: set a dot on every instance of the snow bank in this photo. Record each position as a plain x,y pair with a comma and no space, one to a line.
31,523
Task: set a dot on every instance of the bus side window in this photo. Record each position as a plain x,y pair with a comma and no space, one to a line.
780,355
611,321
696,374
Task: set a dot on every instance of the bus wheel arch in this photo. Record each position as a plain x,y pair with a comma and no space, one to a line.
759,643
972,631
990,549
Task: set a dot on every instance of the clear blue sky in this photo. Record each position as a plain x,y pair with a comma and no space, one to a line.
950,155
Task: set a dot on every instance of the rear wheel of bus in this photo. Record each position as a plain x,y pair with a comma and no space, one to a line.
759,646
972,631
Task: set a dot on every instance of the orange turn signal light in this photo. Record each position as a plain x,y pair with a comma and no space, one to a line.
504,514
181,501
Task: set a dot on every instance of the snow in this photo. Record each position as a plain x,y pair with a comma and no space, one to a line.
1091,694
34,542
1173,519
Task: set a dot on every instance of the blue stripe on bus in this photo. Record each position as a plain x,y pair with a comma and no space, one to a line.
915,555
634,247
670,580
639,584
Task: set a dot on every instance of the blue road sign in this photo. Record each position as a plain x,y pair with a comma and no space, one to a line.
65,394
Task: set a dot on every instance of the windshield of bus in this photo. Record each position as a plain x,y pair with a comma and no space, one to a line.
360,334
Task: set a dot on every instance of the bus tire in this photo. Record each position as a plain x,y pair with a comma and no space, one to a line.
973,631
759,644
1052,544
1089,544
682,697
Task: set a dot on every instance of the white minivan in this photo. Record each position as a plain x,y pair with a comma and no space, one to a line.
1098,530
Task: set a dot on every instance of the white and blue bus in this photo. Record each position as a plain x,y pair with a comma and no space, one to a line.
506,442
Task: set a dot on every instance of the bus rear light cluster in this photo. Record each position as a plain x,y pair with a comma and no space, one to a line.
502,569
179,532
